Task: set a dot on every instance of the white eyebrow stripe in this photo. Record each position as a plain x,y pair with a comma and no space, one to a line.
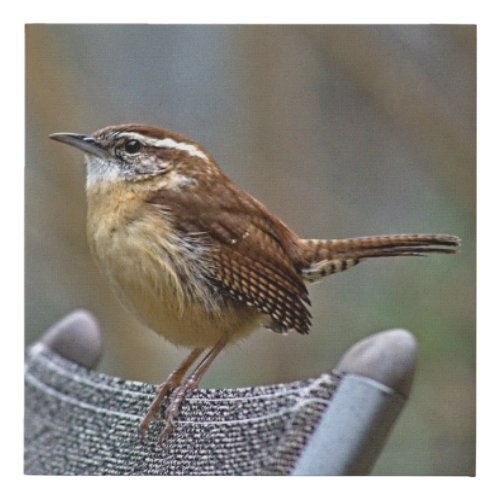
170,143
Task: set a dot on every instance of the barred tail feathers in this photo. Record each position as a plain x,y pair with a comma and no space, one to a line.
321,258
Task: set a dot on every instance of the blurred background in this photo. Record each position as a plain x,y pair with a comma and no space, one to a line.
340,130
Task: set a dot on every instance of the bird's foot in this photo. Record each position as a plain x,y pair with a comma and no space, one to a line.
174,407
154,408
173,381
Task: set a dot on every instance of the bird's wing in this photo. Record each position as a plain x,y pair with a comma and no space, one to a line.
250,259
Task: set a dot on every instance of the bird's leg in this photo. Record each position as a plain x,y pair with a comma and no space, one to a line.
178,395
173,380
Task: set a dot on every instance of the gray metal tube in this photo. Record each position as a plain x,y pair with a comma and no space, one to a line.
352,432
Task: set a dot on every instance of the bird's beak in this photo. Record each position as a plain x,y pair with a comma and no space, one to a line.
81,141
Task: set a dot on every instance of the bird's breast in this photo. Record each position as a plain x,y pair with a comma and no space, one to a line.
159,275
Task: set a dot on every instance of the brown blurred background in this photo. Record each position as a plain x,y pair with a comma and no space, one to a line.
342,131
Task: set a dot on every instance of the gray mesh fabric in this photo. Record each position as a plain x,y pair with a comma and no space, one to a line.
79,421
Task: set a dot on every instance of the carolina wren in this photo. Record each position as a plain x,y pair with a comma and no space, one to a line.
196,258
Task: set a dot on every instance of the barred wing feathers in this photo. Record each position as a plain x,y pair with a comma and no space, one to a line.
250,261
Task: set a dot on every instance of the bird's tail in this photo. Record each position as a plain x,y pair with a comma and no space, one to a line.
323,257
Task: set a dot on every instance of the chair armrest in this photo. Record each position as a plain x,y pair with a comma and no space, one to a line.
377,377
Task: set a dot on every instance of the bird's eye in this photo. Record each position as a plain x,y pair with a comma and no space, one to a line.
133,146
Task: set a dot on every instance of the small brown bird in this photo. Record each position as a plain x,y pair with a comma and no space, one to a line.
197,259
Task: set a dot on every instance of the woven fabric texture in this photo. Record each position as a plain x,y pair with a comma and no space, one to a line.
81,422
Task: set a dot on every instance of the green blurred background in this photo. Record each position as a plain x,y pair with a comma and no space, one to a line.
342,131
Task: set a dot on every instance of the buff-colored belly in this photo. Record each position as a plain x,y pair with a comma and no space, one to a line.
189,325
144,273
192,327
